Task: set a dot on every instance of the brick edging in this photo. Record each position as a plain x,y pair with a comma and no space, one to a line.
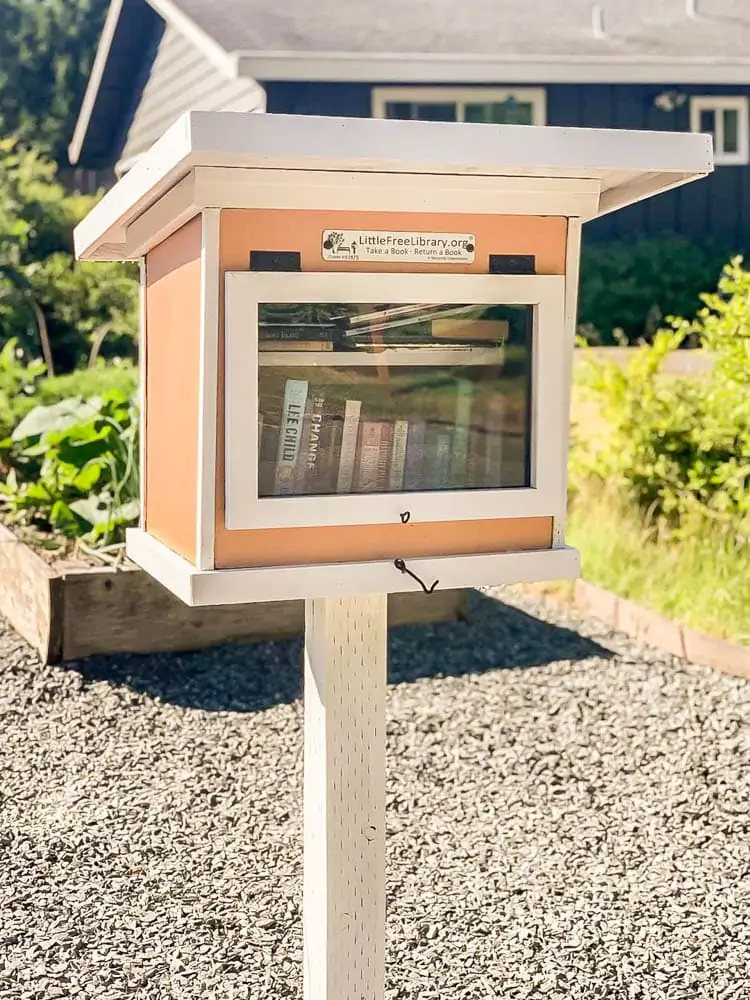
641,623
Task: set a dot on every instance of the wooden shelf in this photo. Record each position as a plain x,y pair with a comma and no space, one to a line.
412,357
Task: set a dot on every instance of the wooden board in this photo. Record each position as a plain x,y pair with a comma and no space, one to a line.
71,614
30,596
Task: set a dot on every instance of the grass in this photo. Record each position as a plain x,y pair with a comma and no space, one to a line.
701,581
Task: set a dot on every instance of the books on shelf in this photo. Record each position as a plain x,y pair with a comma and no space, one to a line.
290,436
312,441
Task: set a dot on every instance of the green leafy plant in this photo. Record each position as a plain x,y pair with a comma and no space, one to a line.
74,468
629,287
679,447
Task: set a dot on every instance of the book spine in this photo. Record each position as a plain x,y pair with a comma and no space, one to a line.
495,424
369,456
414,463
384,456
310,453
268,445
430,471
460,448
443,447
398,455
290,436
348,451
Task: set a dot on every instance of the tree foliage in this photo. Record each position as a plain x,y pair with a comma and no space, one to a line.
46,51
44,293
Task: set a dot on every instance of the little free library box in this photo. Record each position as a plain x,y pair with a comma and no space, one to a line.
357,343
356,351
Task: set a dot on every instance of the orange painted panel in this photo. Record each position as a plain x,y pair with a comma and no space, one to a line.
173,323
354,543
243,230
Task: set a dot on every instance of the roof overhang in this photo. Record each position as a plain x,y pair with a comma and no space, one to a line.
416,67
541,170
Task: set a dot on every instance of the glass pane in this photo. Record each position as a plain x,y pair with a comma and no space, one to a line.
731,122
398,109
510,112
707,122
435,112
368,398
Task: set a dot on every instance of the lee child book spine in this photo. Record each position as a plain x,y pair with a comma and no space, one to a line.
292,417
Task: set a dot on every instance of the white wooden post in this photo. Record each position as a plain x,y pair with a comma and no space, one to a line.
344,866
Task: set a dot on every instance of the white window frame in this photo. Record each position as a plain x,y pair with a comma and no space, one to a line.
718,103
461,96
549,418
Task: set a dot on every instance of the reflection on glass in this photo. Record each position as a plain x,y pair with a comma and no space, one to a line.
508,112
731,130
363,398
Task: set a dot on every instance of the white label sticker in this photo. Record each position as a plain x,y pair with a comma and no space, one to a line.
374,245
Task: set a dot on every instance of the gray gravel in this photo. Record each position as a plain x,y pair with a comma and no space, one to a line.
568,817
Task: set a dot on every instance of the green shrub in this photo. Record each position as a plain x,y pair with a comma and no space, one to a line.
627,288
42,289
23,384
679,447
74,468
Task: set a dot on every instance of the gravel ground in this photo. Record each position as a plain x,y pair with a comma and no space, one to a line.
568,817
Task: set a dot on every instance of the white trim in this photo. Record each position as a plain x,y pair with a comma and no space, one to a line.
142,335
253,187
461,96
372,145
95,80
209,389
472,67
245,290
231,187
572,270
718,103
286,583
225,61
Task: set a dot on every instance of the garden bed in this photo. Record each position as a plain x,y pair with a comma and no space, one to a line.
69,610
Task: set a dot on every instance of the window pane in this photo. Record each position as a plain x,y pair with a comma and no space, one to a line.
398,109
731,122
448,408
510,112
707,122
435,112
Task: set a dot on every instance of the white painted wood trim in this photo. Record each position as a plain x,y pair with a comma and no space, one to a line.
253,187
572,272
208,389
472,67
366,359
226,62
142,393
344,797
230,139
95,80
718,103
285,583
245,290
461,96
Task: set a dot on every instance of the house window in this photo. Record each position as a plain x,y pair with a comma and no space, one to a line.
726,119
495,106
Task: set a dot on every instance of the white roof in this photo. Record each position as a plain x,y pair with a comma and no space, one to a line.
626,165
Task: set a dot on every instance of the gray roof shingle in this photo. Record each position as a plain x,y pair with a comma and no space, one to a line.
510,29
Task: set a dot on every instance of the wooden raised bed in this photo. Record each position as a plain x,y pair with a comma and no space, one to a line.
69,612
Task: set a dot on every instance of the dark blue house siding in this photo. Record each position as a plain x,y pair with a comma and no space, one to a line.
716,209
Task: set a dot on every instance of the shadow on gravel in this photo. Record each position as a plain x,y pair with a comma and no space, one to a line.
253,677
